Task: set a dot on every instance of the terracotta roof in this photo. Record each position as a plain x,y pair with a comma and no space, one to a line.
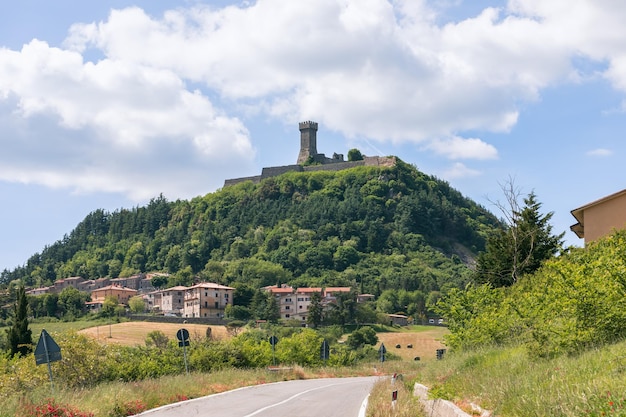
114,287
307,290
211,285
337,289
281,290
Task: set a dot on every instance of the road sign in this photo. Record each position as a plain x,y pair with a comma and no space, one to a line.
381,351
183,337
183,340
47,349
324,350
273,340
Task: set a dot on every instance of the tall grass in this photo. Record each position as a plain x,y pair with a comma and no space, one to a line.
112,398
380,402
510,384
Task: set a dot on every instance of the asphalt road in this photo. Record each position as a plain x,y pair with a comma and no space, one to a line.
328,397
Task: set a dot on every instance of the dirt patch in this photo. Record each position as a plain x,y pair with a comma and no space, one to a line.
135,333
424,343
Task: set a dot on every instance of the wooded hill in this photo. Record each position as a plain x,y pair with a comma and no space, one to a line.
369,227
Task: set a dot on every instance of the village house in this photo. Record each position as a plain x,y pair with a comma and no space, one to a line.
294,303
601,217
172,300
286,300
121,294
207,300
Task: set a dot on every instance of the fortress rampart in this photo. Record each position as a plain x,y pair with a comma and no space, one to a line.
308,153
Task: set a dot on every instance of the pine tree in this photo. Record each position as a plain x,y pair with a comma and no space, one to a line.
19,336
315,313
522,246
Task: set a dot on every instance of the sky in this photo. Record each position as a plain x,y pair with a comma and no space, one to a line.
107,104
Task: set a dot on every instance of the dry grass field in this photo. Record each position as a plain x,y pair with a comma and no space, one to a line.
135,333
425,341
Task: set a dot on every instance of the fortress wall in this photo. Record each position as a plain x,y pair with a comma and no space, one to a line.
376,161
380,161
275,171
255,179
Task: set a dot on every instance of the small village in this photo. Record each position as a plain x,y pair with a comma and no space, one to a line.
204,300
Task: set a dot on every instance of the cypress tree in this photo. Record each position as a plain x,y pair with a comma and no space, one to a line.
19,336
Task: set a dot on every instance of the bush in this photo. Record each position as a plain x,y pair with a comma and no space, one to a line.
51,409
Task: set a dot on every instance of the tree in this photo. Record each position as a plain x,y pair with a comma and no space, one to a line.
109,306
136,304
159,281
522,246
158,339
355,155
19,336
315,313
72,302
363,336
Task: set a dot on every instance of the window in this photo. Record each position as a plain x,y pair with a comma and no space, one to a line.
286,307
206,304
217,305
287,300
300,299
286,316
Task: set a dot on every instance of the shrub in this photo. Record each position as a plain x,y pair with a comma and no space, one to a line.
51,409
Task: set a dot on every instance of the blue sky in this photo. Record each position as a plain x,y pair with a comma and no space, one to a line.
107,104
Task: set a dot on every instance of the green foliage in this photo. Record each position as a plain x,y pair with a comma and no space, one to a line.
136,304
361,337
316,310
157,339
520,248
355,155
19,337
71,302
573,303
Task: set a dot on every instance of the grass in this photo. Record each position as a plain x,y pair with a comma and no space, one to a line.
380,402
135,333
510,383
425,340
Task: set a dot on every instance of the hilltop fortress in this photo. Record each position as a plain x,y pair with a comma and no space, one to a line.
310,160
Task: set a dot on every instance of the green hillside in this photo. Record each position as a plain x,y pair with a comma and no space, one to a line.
370,227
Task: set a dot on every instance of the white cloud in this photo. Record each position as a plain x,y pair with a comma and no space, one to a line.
387,72
462,148
380,70
600,152
111,126
459,170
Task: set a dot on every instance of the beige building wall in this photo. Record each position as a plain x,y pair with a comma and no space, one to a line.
207,300
601,217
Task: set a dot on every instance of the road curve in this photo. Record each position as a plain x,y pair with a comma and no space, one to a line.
329,397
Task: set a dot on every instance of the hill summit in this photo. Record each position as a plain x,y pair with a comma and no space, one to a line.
310,160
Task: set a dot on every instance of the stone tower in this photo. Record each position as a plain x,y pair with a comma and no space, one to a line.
308,141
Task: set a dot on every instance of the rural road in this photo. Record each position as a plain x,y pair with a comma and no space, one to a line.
340,397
